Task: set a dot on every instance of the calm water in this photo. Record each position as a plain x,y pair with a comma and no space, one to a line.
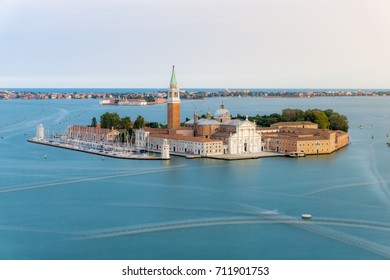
49,208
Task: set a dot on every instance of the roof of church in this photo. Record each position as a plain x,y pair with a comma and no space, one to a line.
185,138
235,122
222,112
204,122
221,134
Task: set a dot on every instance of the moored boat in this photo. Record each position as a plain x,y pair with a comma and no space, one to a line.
295,154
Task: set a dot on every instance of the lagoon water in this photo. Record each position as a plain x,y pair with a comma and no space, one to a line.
73,205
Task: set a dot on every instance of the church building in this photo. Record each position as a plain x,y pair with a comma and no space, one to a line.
216,135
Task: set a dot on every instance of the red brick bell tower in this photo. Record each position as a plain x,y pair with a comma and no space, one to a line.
173,103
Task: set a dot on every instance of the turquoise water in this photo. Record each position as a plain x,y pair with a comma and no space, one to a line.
61,207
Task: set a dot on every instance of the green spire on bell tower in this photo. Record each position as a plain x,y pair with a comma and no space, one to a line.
173,83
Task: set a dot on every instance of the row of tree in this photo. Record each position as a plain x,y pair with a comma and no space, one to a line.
113,120
324,118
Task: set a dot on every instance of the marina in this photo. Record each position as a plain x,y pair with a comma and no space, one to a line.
119,154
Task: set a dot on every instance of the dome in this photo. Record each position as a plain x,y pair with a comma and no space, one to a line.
222,113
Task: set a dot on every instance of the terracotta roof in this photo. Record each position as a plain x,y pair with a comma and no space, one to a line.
221,134
266,128
92,129
293,123
185,138
152,130
203,122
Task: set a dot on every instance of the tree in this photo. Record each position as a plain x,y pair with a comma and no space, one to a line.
109,120
265,120
293,115
125,123
338,122
318,117
149,98
139,122
93,122
328,112
152,124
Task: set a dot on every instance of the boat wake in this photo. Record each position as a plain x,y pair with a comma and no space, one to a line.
315,225
338,187
79,180
385,192
262,217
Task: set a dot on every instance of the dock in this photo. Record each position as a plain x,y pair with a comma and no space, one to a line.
111,154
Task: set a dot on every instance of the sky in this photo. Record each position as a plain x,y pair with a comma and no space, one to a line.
220,43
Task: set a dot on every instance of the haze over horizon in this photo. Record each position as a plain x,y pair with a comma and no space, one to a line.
213,44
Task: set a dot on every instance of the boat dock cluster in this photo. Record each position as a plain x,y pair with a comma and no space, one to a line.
91,148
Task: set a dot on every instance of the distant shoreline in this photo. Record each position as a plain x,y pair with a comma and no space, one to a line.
196,94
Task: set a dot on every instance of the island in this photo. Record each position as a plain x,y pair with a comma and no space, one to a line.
294,133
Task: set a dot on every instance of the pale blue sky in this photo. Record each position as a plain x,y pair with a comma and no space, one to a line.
245,43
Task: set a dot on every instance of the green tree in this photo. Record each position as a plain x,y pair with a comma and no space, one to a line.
265,120
318,117
149,98
163,125
109,120
139,122
93,122
152,124
338,122
328,112
125,123
293,115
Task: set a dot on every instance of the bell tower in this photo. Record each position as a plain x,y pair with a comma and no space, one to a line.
173,103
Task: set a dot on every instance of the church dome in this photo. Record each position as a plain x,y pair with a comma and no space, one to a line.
222,112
